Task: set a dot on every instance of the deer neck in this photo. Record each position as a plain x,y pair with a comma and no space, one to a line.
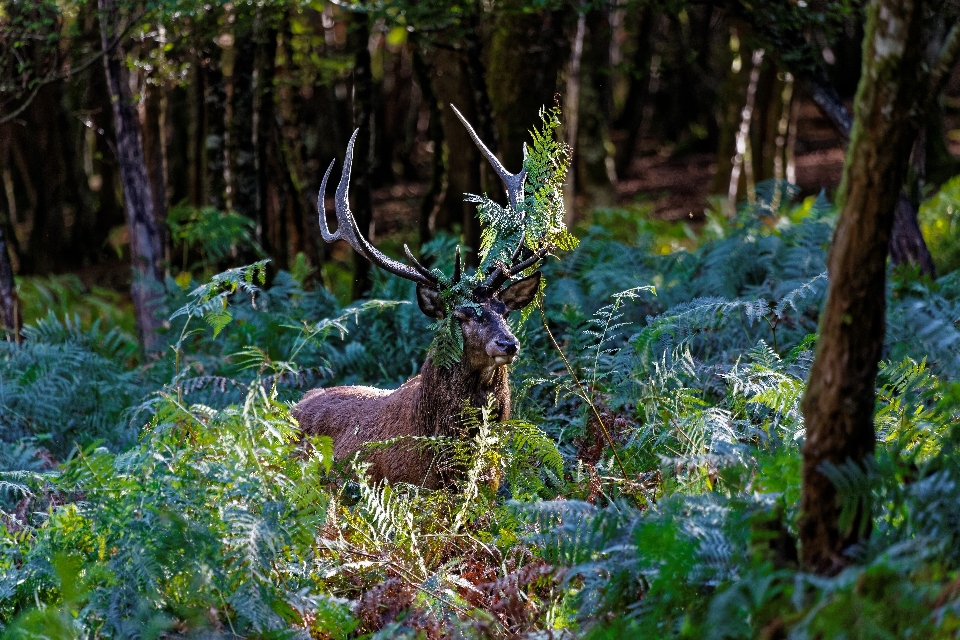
443,392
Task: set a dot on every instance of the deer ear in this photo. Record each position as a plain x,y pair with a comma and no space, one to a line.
429,301
520,293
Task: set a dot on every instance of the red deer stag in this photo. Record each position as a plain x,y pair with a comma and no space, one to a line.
431,403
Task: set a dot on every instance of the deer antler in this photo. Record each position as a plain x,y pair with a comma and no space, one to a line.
513,182
504,272
348,232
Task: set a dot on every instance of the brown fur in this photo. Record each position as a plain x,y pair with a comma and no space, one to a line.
429,404
353,416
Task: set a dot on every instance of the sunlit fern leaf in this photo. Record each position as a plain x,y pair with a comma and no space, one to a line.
211,297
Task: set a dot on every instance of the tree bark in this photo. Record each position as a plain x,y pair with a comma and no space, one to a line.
214,130
299,209
196,145
906,241
483,108
145,246
839,402
595,172
267,146
809,70
462,159
362,161
433,198
246,184
10,316
151,124
571,112
631,119
909,249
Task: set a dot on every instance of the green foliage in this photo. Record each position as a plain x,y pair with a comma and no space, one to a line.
66,384
213,234
168,531
546,165
66,295
940,223
177,497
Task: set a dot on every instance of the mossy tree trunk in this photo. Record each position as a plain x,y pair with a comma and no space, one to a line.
151,122
462,158
595,174
839,403
266,148
907,244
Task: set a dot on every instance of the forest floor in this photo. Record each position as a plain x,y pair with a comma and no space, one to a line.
678,185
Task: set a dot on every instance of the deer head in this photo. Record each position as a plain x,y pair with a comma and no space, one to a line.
487,340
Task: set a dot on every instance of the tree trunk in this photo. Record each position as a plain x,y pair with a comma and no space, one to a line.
151,123
214,130
483,108
10,317
243,174
299,209
145,246
267,146
196,146
362,161
839,402
909,249
631,119
571,113
596,177
462,158
906,240
433,198
732,92
808,69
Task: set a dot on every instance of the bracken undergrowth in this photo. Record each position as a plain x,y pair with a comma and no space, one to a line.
173,496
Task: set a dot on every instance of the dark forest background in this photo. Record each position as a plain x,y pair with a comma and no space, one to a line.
671,107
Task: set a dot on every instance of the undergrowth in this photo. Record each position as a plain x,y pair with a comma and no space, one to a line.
173,495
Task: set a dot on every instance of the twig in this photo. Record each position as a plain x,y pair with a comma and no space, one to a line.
583,393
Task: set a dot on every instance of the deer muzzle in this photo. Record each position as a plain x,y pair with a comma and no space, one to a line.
503,350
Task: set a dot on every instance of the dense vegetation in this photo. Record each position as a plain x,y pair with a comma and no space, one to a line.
710,437
173,496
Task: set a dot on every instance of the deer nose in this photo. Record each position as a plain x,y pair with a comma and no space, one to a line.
508,346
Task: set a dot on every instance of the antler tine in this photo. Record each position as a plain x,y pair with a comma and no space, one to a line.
416,265
456,266
497,277
513,182
322,208
348,232
503,273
